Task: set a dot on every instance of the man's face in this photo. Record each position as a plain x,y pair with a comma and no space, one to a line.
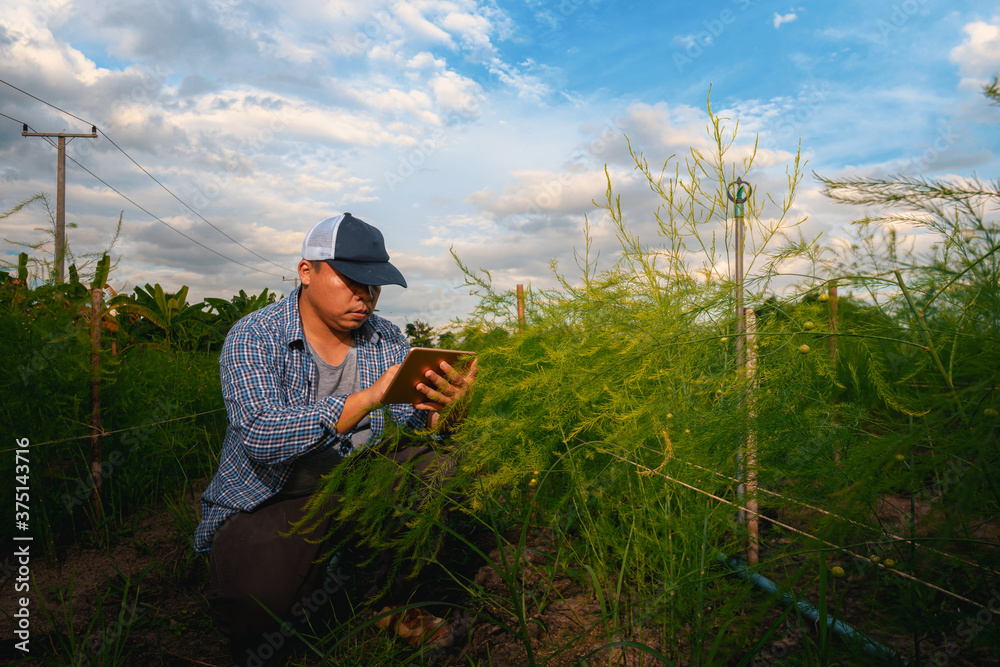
339,302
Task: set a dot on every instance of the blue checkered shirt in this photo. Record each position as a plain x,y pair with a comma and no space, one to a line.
269,385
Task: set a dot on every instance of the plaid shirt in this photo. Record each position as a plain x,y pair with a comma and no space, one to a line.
269,386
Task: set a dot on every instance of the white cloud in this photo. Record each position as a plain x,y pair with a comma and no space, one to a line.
527,86
385,52
535,191
786,18
474,31
425,60
686,41
457,94
411,17
978,56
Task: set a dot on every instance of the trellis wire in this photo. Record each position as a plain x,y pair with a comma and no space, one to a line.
651,471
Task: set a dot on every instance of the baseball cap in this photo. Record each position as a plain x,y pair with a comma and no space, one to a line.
354,248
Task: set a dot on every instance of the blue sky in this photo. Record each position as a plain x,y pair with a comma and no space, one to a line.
483,126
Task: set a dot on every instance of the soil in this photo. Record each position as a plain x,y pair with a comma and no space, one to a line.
170,624
165,620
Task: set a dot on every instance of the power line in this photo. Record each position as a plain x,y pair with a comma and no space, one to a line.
143,169
186,204
45,103
12,118
152,215
158,219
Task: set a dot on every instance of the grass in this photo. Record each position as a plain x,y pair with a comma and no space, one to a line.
104,639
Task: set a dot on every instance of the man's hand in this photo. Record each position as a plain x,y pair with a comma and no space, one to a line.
358,405
441,389
376,391
444,388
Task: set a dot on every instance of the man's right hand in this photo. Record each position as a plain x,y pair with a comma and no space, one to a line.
359,404
377,390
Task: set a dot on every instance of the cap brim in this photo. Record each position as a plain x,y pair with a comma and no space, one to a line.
369,273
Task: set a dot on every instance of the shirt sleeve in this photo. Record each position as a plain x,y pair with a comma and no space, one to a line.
270,429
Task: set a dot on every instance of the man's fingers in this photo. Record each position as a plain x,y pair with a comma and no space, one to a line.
436,395
447,383
449,376
435,401
472,371
445,386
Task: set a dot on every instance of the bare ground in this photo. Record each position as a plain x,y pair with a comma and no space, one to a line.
149,590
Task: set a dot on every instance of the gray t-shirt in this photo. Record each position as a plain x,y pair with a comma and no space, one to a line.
338,380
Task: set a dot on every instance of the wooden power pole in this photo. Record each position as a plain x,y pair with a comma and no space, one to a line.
60,191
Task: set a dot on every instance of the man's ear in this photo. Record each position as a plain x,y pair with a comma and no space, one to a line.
305,272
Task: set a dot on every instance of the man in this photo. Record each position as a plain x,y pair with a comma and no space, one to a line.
301,380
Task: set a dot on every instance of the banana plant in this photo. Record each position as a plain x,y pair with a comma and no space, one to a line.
170,313
22,268
101,272
230,312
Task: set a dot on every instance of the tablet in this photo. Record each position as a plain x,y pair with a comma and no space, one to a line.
418,361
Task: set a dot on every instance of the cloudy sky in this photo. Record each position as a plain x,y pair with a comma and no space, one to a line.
480,125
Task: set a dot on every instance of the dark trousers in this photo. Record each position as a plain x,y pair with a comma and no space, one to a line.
254,570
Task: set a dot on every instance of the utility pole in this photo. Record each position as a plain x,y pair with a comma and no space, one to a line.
60,191
291,280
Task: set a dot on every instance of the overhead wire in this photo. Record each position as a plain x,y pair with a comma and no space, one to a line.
34,97
203,218
147,173
12,118
160,220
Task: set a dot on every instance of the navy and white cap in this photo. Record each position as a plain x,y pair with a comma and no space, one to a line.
354,248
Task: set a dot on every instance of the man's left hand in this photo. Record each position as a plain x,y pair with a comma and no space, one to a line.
444,388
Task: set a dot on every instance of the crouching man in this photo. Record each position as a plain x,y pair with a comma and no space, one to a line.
301,379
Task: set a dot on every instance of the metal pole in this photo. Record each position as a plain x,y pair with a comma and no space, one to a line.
744,462
740,315
834,352
753,529
738,201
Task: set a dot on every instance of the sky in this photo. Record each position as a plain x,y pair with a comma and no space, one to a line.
483,128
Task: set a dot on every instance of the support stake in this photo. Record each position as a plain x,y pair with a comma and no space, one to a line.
520,306
96,310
